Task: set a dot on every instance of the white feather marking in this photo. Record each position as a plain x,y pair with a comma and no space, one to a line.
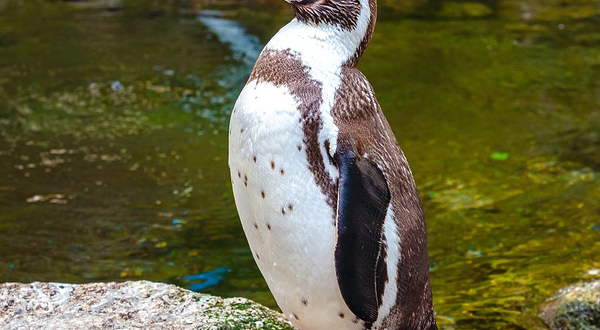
392,258
323,47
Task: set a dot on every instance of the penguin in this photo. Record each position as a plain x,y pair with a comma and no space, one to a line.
325,195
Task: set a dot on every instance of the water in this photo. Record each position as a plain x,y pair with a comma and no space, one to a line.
113,120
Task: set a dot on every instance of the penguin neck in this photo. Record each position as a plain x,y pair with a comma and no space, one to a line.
326,43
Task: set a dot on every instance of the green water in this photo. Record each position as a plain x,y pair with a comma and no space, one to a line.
113,122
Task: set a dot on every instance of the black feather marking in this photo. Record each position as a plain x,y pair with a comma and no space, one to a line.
363,200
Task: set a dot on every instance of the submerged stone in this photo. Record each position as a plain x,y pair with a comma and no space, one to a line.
575,307
128,305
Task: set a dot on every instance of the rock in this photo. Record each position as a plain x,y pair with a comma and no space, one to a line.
128,305
575,307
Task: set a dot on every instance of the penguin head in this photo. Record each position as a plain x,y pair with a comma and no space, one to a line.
342,13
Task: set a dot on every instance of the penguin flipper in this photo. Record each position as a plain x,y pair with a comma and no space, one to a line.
363,200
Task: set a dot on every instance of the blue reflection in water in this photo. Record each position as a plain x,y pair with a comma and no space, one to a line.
209,278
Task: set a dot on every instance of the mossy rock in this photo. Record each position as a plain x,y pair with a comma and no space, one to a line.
128,305
574,308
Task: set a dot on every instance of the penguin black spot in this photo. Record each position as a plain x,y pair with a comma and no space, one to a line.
282,172
304,301
290,207
239,175
295,316
242,130
268,226
254,159
299,148
257,256
283,211
255,225
272,165
262,194
355,320
341,315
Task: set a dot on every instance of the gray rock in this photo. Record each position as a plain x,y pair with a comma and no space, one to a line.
575,307
128,305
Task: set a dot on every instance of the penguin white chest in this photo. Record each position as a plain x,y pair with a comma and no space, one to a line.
286,218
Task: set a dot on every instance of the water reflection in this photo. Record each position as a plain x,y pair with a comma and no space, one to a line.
113,144
245,47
